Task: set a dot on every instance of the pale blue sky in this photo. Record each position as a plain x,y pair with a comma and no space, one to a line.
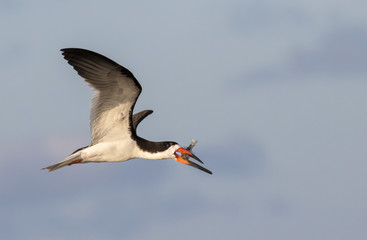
275,92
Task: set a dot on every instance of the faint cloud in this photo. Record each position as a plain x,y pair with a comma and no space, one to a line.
340,53
7,5
236,155
278,206
271,17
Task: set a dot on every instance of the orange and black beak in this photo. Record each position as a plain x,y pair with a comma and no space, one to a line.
184,159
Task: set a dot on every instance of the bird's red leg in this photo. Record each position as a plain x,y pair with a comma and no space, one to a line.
76,161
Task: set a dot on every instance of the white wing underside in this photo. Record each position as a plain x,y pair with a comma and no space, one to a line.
116,91
109,115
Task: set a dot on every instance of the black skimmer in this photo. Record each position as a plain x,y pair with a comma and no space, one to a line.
112,122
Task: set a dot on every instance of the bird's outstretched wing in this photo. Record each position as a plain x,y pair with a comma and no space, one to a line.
116,91
138,117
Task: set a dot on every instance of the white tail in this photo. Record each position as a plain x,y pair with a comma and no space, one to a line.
72,159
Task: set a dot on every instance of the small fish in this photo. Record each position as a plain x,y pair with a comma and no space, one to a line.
186,157
192,144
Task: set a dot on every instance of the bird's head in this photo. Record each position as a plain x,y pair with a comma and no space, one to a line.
182,155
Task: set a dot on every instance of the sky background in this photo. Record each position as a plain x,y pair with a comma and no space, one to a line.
274,91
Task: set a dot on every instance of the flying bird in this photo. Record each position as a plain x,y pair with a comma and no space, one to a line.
112,122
